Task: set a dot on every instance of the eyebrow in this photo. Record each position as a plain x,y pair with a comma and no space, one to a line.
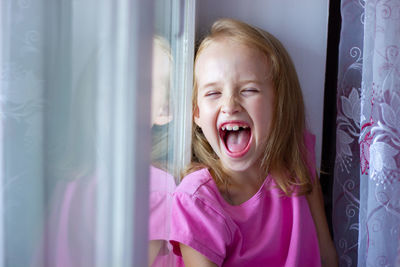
211,84
214,84
250,81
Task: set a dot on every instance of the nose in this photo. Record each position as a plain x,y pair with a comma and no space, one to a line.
230,105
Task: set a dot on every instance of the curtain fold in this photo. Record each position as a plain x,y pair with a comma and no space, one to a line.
366,213
75,87
347,168
380,135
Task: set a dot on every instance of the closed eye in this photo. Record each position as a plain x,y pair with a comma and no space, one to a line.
250,91
212,93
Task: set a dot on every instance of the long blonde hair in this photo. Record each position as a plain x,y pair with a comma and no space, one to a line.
285,151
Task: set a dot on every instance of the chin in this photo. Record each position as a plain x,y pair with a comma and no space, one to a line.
238,167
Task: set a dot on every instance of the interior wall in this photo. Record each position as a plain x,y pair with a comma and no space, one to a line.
302,28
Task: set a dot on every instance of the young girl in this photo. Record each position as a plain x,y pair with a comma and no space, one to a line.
251,196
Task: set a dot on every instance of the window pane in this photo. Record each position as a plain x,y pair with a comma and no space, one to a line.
171,117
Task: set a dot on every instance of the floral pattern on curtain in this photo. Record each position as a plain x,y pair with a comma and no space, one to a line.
380,136
21,122
366,214
347,166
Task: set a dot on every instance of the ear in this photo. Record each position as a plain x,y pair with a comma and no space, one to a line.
196,116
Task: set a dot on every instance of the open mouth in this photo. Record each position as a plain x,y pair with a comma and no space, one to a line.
236,137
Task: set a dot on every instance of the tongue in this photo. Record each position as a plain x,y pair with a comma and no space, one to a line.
237,141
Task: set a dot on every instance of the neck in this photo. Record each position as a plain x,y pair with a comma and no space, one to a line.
246,178
242,186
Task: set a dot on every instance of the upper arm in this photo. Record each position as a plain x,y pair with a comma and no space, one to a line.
326,246
192,257
316,203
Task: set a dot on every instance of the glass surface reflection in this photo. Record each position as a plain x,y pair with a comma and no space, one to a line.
173,48
162,183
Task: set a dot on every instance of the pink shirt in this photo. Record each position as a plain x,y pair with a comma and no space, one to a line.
162,186
269,229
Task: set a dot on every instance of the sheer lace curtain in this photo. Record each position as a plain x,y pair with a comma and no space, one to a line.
366,212
75,87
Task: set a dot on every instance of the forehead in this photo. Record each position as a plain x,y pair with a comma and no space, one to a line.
226,58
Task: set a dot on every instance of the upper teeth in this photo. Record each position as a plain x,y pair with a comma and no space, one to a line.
233,127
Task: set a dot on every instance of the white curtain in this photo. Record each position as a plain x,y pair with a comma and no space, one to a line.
75,86
380,136
366,212
22,119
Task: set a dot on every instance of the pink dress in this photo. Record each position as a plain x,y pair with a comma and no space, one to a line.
269,229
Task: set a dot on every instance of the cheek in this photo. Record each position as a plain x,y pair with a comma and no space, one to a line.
207,122
263,114
206,112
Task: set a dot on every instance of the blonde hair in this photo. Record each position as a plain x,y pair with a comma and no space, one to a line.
285,151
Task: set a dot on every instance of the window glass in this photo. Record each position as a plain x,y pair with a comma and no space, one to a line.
171,112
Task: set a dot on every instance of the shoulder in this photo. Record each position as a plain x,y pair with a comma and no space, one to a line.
161,181
196,182
199,191
198,219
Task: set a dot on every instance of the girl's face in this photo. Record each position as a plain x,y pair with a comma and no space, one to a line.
160,89
235,103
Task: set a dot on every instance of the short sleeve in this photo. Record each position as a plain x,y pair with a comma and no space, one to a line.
162,186
159,217
199,226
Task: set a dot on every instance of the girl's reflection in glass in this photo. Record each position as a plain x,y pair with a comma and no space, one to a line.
162,183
